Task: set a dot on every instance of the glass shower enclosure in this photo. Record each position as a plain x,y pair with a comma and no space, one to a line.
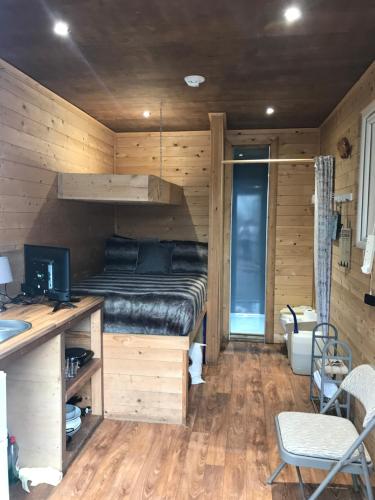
249,242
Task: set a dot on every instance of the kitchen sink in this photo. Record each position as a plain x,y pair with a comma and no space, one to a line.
11,327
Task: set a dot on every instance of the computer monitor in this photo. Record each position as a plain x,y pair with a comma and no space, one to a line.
47,272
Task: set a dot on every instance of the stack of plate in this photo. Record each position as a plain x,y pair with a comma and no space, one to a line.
73,419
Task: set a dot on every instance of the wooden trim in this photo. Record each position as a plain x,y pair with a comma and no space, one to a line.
269,160
185,385
96,339
179,133
215,237
271,244
226,297
235,136
271,238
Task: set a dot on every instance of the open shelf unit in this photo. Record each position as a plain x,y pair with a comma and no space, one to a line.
89,424
88,381
73,385
125,189
36,387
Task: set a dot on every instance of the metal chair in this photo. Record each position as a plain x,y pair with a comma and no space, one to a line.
328,442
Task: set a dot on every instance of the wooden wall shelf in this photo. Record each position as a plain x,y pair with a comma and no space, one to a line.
122,189
73,385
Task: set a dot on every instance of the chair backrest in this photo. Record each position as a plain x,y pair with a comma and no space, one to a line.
360,383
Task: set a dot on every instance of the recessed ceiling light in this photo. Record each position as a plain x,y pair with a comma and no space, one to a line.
292,14
240,154
61,28
194,80
147,114
270,110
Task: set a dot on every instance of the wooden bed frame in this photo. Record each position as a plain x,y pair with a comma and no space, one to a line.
146,376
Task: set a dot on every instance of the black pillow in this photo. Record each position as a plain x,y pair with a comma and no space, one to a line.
189,257
121,254
154,257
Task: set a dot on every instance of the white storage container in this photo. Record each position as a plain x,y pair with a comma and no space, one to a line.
305,326
301,349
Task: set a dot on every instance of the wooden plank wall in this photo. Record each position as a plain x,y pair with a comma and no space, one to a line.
186,162
355,320
145,377
40,135
294,212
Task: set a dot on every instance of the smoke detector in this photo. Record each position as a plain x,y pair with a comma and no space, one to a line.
194,80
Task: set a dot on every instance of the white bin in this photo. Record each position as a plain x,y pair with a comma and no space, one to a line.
301,349
305,326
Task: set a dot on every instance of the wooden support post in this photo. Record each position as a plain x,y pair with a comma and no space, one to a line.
227,235
96,326
273,172
215,237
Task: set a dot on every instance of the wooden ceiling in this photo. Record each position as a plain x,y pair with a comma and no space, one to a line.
123,56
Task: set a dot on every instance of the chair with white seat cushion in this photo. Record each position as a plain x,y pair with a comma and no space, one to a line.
328,442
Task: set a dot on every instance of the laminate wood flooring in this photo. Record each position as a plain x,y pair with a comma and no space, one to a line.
225,452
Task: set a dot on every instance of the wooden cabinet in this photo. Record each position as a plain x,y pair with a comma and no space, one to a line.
36,385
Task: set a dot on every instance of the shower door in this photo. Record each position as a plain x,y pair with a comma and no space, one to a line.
249,242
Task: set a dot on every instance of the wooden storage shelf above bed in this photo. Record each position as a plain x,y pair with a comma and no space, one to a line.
122,189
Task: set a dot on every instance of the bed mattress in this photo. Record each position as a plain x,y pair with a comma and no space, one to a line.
151,304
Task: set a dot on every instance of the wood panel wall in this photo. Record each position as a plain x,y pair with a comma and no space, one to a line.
185,162
355,320
294,212
41,135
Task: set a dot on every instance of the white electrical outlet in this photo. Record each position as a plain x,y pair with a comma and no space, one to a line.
369,254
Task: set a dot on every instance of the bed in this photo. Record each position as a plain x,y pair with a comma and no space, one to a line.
151,304
154,307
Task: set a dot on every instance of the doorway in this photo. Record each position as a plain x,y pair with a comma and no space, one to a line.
249,243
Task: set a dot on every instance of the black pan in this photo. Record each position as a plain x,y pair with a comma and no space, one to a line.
79,354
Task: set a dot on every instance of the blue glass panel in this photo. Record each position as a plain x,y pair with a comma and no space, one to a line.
249,242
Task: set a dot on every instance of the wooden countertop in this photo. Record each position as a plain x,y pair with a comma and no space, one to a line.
45,324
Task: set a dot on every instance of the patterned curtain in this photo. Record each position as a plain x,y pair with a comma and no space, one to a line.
324,167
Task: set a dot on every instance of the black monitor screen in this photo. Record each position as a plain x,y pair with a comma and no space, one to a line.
47,272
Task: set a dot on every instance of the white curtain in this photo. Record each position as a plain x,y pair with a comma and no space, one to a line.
324,168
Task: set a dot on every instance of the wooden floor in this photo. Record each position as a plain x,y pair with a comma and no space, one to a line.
225,452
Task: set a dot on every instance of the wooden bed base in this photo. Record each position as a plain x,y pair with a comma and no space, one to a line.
146,376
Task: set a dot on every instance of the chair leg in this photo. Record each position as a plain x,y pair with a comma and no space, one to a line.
326,481
366,476
277,471
355,483
300,482
338,409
